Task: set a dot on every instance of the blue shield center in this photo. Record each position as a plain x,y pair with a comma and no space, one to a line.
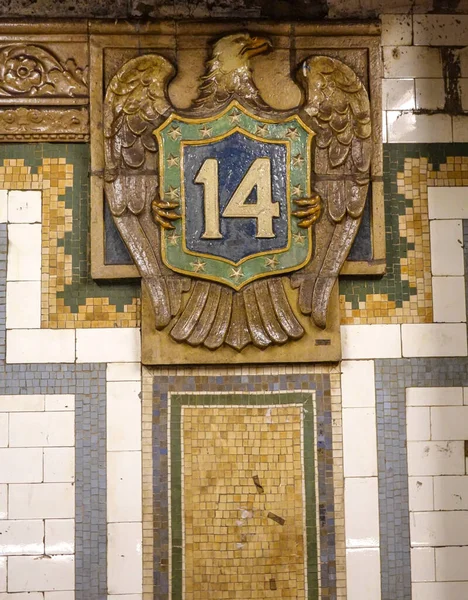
235,155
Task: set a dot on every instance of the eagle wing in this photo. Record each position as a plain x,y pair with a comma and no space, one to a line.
338,110
136,103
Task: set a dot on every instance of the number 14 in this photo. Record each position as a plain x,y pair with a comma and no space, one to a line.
259,174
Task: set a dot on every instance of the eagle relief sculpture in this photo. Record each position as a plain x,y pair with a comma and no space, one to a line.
230,205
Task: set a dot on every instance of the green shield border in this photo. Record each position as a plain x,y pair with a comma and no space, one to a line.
178,131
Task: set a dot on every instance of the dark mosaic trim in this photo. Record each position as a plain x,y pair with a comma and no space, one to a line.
392,377
320,383
88,384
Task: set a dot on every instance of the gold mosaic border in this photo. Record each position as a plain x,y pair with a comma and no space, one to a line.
412,183
148,375
53,178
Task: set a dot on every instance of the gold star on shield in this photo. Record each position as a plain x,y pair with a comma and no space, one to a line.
172,161
298,160
175,133
235,116
262,130
173,238
173,193
299,238
292,134
205,131
297,191
271,262
198,266
236,274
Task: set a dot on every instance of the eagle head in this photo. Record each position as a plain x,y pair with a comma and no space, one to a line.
234,51
228,71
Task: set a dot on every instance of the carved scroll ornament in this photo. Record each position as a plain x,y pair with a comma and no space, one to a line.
228,206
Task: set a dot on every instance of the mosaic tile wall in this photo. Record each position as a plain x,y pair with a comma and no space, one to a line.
70,298
254,431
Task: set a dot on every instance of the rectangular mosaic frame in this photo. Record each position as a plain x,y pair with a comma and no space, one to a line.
111,45
176,404
322,380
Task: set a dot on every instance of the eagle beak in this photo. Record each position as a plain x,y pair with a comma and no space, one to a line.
256,45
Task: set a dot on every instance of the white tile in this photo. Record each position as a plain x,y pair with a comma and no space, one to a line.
436,458
411,62
30,573
384,127
18,465
3,501
130,371
398,94
42,429
397,30
412,128
24,253
440,30
448,298
124,597
421,493
465,395
41,346
437,339
60,402
21,403
3,430
59,536
108,345
41,501
3,206
439,528
59,465
451,493
363,574
123,415
357,383
448,202
451,563
422,564
21,537
123,487
23,596
23,305
359,442
460,128
430,94
370,341
361,512
449,422
3,575
24,206
434,396
60,595
447,247
463,84
124,558
418,423
440,591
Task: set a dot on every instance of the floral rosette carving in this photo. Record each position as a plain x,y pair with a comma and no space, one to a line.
32,71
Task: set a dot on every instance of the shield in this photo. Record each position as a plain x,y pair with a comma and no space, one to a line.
236,177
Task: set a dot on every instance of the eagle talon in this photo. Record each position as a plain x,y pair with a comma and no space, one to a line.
163,213
310,211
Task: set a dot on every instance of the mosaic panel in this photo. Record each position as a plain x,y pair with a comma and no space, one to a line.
235,418
404,294
70,298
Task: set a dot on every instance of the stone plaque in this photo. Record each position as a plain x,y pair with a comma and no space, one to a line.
239,215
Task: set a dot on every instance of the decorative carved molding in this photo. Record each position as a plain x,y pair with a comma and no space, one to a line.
28,71
44,124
